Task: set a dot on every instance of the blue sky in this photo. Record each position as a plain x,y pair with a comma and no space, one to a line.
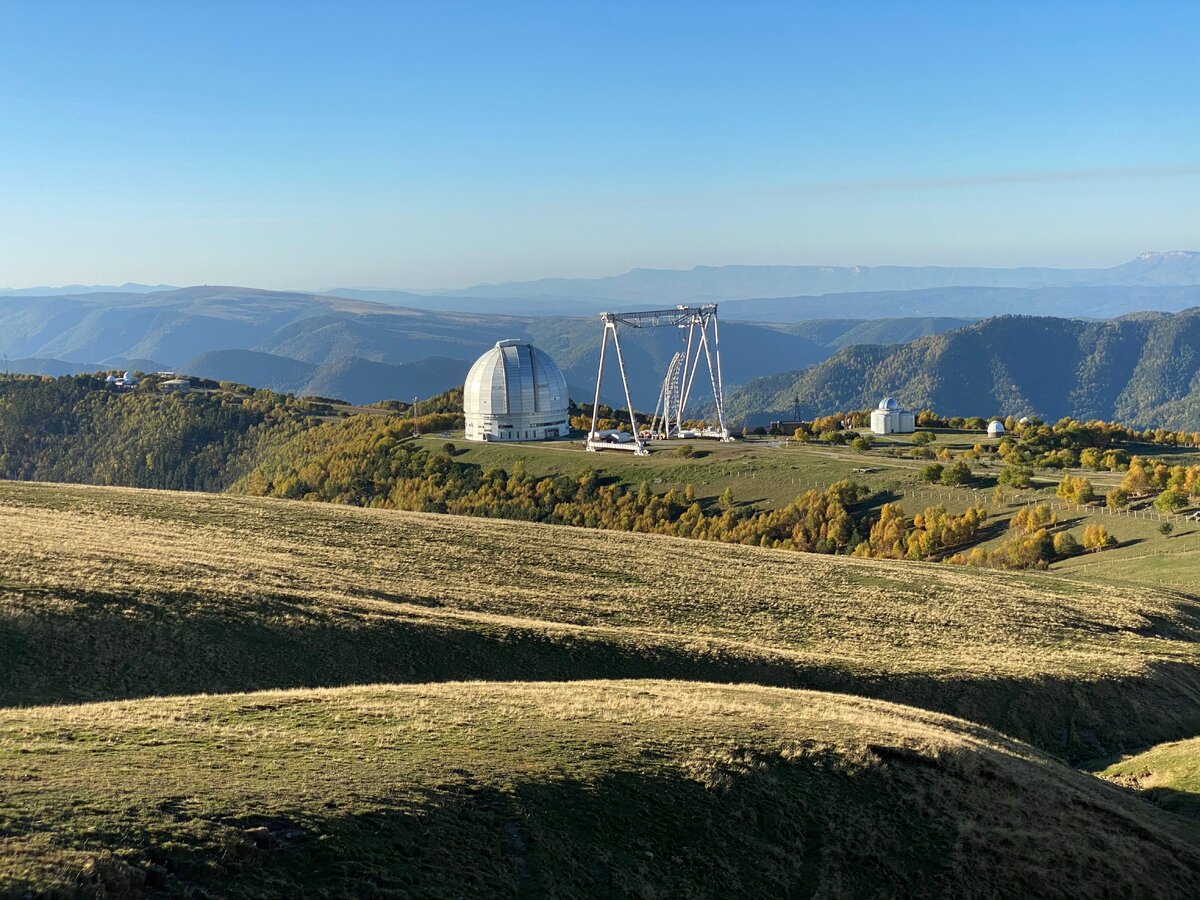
310,145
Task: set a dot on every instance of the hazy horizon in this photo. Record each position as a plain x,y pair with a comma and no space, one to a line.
461,287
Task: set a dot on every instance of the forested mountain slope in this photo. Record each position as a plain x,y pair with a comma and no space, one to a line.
1142,369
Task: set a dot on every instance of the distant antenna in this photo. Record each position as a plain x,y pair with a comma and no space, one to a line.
796,409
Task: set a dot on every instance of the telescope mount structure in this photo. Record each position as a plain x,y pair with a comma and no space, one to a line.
702,342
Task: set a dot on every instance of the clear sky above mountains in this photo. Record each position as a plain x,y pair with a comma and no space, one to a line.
395,144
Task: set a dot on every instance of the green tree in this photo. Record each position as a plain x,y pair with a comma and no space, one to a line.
1170,501
957,473
932,472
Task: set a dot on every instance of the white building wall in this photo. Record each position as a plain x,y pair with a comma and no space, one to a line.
893,421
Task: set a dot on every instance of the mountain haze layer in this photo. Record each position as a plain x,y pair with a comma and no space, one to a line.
717,283
362,351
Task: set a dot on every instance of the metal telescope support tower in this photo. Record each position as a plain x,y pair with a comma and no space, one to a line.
703,341
666,417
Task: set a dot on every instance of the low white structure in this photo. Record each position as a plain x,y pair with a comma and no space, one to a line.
890,418
515,392
122,381
995,428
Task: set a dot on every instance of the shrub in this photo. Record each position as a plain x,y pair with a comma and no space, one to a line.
1118,498
1170,501
1017,476
1076,489
1029,519
932,472
1097,538
923,438
1065,544
685,451
957,473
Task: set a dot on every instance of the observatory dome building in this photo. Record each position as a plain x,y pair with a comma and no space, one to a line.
890,418
515,392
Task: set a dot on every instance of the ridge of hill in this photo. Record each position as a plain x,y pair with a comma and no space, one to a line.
646,788
263,370
971,302
172,593
1142,369
266,338
723,283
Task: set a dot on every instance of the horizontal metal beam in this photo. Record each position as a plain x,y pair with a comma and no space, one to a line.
658,318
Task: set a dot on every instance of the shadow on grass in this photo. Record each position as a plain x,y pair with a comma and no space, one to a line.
762,826
180,645
744,822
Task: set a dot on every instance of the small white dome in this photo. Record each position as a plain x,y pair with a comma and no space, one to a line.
889,403
995,427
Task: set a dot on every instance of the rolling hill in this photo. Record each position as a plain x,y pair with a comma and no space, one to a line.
592,788
167,607
346,348
1141,369
172,593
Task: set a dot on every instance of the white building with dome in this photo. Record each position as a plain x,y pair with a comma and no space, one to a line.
890,418
515,392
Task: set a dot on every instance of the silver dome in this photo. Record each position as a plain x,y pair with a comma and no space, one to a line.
515,392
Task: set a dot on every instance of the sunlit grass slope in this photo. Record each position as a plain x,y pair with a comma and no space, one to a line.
632,788
1168,774
111,593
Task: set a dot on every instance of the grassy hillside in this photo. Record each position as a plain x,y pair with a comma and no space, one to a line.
1168,775
162,593
1140,369
637,788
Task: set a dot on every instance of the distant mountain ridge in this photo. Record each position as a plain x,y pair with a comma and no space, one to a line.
362,351
1141,369
69,289
718,283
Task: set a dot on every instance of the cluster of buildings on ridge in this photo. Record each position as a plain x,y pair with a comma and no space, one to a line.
516,392
129,380
889,417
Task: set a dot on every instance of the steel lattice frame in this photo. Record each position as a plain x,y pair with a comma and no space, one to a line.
700,321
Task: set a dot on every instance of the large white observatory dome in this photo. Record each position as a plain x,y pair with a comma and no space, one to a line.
515,392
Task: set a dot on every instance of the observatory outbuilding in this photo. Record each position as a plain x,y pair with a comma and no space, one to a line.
890,418
515,392
995,428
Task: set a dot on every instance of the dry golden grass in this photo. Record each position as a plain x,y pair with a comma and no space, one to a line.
116,593
893,616
643,788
